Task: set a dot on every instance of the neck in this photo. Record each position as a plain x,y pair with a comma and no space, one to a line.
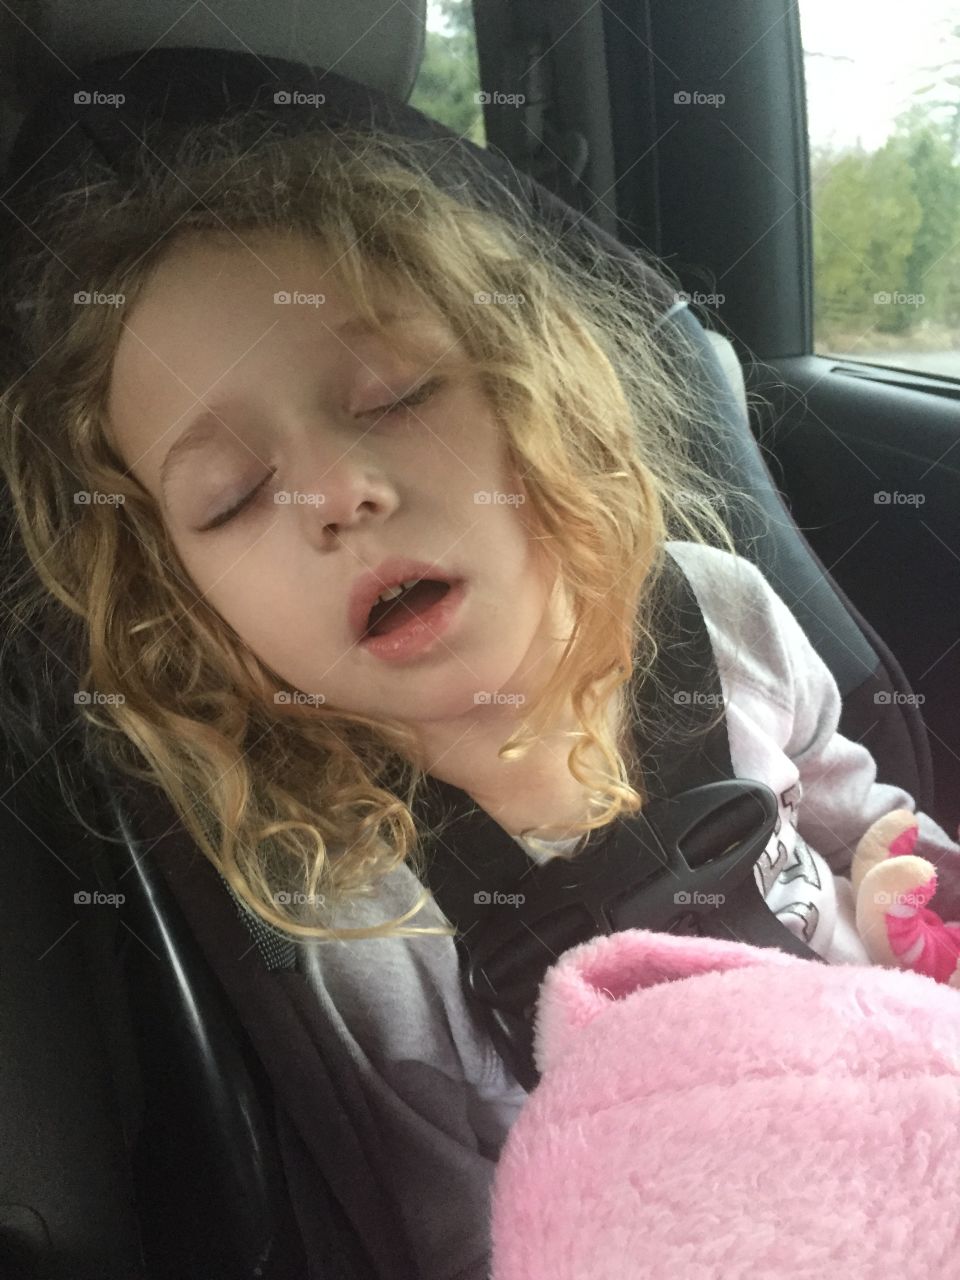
536,793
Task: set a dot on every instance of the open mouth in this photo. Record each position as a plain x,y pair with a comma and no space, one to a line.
410,601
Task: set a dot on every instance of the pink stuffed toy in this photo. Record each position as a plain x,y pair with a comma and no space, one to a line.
710,1111
893,888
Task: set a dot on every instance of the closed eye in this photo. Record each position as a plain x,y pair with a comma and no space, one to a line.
411,401
220,520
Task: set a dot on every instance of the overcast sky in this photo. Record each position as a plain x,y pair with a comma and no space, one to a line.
889,45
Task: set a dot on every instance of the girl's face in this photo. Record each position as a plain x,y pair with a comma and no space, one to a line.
296,390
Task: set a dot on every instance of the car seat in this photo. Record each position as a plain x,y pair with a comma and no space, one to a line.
138,1127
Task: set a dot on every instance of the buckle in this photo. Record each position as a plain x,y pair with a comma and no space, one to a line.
684,865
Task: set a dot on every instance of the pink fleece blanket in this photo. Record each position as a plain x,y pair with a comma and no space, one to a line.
709,1109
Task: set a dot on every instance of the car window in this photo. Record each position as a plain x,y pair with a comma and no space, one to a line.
883,108
448,85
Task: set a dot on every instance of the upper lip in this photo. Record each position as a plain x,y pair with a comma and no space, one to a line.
391,573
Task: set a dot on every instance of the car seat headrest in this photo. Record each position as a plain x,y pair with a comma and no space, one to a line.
377,44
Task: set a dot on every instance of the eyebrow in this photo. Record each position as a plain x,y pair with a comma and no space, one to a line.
205,427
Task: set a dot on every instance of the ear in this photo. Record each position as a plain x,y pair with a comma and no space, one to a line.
587,979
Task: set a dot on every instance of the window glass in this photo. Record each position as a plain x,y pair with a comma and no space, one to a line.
883,110
448,83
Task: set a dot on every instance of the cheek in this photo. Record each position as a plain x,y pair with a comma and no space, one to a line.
251,601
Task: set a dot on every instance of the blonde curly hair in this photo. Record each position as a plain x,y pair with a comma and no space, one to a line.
303,802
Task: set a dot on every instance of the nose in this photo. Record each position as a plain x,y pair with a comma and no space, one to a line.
346,494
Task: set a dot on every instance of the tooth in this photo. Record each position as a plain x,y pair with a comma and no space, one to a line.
391,593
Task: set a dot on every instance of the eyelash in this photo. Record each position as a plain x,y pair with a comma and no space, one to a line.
415,398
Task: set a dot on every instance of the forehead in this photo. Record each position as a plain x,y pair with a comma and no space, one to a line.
248,282
218,306
208,331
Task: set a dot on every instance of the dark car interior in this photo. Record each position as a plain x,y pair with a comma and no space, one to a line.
138,1123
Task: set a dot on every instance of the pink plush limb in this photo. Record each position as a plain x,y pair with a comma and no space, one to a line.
893,902
920,940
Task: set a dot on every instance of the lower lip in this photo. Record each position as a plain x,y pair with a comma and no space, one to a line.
420,634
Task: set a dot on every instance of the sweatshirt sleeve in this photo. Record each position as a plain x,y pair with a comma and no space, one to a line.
841,794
